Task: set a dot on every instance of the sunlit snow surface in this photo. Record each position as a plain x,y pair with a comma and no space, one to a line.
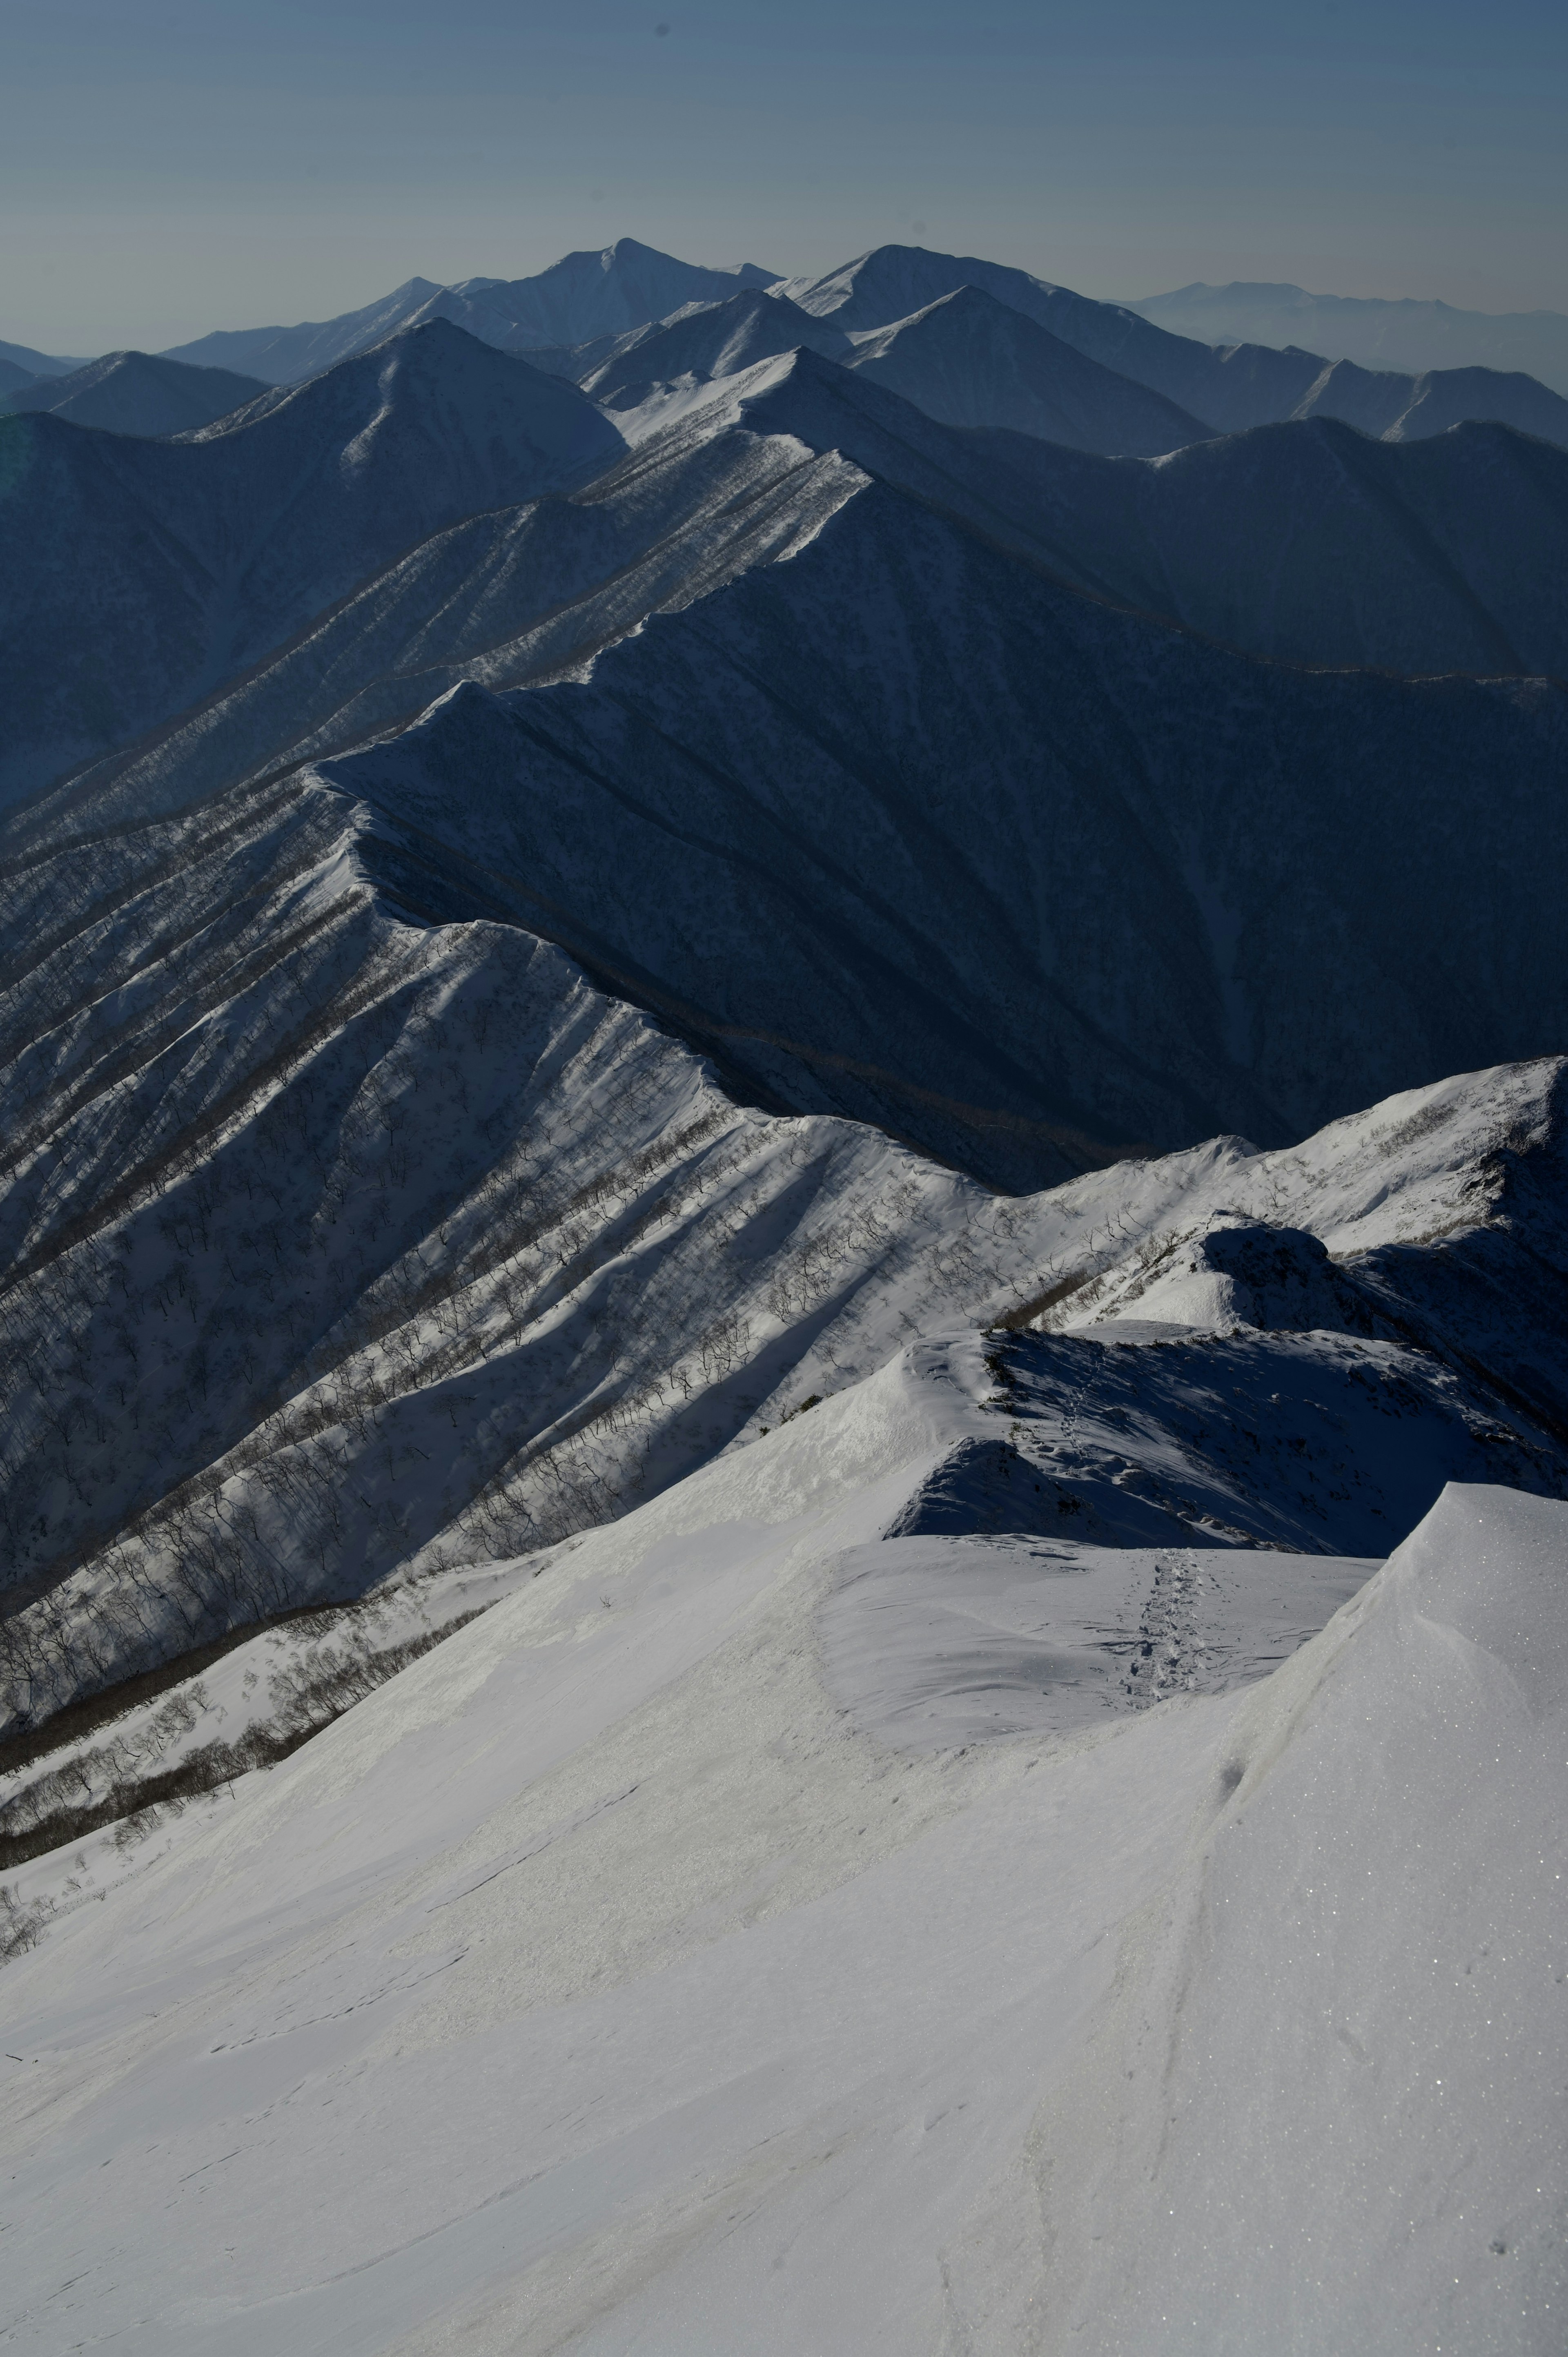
674,1960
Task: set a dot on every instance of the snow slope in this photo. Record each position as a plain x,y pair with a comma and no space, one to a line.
704,341
132,393
510,1257
626,1972
1403,334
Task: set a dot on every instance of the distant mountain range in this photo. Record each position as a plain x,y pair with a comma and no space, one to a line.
582,295
32,363
1378,334
134,392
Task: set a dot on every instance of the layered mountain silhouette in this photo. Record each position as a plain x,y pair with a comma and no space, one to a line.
135,392
1229,388
33,363
1378,334
582,295
969,359
573,314
152,571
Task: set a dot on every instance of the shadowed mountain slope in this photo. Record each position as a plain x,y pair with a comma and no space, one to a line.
587,294
34,363
970,361
134,392
880,811
1310,544
149,572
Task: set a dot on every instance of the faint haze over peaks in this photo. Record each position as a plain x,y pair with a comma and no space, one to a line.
169,169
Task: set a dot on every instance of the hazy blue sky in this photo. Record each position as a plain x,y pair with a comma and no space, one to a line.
171,165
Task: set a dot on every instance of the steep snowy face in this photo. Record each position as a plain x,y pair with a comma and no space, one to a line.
511,596
1308,543
970,361
709,341
133,392
147,573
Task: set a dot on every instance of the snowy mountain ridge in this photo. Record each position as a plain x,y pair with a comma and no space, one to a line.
784,1273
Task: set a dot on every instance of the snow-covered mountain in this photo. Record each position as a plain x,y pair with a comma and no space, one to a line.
845,733
1378,334
582,295
966,359
1229,389
784,1418
970,361
588,295
288,355
699,343
134,392
147,573
904,1842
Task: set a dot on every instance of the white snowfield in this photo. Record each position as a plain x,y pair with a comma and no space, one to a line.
634,1974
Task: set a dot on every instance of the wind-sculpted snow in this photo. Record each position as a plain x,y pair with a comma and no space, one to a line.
145,573
752,1919
133,392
